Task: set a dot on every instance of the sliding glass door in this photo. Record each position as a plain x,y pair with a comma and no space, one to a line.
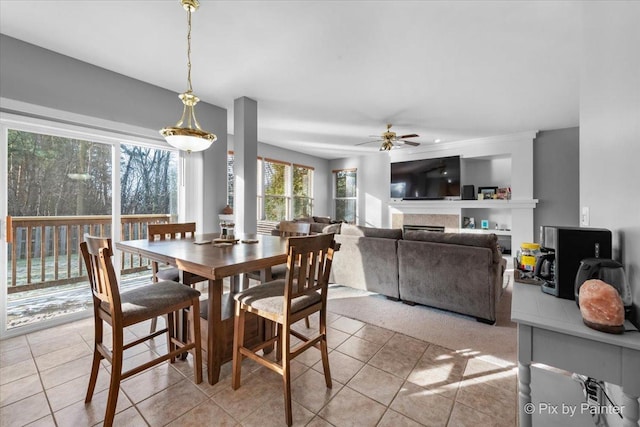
58,185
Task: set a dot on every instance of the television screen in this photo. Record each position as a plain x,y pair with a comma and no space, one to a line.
426,179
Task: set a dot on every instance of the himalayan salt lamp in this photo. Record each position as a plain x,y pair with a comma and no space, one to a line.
601,306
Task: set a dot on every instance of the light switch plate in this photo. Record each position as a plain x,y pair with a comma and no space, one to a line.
584,217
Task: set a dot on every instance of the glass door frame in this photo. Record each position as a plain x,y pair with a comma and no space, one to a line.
67,130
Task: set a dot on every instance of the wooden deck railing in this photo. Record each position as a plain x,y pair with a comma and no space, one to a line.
44,251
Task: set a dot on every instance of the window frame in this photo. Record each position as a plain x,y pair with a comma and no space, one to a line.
335,194
35,119
310,197
289,195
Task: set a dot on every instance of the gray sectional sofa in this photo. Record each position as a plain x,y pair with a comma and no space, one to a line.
456,272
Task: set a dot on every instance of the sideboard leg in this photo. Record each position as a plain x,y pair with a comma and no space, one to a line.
630,410
525,347
524,394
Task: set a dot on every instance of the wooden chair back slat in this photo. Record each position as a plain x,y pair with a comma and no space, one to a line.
309,257
172,231
292,228
97,253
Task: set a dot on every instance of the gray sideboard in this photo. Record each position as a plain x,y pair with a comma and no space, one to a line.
551,331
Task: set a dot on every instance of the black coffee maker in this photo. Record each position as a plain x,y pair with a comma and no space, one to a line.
563,248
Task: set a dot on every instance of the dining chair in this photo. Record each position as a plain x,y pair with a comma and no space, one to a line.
171,231
286,229
301,293
121,310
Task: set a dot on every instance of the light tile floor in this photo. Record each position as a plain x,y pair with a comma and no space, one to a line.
380,377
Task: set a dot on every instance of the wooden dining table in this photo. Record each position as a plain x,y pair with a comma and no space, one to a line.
216,263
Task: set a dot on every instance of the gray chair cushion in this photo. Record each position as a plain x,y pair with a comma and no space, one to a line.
171,274
150,301
269,297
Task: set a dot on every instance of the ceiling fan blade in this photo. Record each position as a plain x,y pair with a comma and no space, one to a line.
411,135
413,144
368,142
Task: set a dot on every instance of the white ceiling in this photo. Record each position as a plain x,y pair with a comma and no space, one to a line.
328,74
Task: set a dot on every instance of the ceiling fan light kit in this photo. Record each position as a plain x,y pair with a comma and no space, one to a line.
187,135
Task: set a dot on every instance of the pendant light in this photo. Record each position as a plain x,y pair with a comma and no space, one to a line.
187,135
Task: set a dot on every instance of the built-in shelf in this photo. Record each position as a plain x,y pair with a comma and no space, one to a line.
403,205
487,231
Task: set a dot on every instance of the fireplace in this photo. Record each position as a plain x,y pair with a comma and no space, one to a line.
449,223
436,228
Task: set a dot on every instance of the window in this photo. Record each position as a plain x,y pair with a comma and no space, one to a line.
284,190
302,191
345,193
277,190
230,178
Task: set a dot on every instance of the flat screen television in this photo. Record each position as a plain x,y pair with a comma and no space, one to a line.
426,179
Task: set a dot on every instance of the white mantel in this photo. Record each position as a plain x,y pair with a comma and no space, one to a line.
418,206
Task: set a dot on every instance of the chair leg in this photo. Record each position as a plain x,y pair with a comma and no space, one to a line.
306,322
116,372
324,349
154,278
171,333
97,357
238,341
279,342
286,372
196,337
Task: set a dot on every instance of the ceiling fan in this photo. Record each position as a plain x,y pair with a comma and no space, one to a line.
390,140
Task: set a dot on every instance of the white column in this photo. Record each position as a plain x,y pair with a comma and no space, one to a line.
245,147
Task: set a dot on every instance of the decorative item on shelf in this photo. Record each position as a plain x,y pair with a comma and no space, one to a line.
504,193
466,221
484,224
187,135
601,307
468,192
486,192
472,223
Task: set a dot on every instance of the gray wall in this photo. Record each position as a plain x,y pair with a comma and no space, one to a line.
556,178
610,134
610,129
41,77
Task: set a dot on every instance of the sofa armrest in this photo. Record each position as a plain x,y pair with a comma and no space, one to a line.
368,263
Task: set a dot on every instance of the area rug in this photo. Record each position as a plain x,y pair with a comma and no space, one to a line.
493,343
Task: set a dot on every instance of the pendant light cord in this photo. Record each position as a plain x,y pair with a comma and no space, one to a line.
189,49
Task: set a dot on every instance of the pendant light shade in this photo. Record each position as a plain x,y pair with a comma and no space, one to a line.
187,135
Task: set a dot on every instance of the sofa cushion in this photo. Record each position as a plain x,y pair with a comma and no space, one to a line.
322,219
332,228
478,240
304,219
360,231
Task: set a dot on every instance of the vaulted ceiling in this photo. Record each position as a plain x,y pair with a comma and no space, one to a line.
329,74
